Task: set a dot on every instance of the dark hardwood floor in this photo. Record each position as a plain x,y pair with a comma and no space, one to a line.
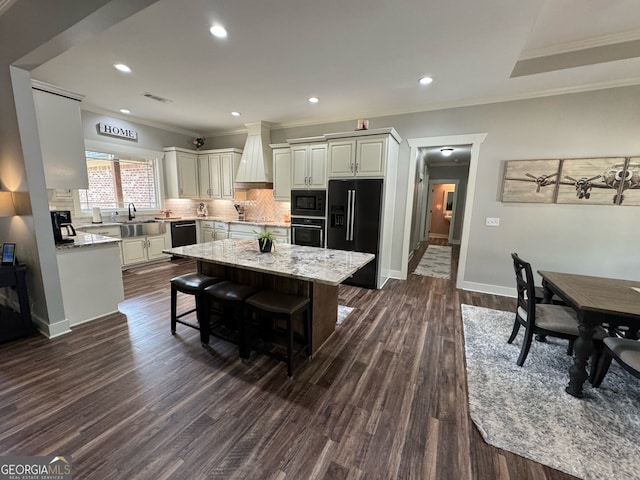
385,397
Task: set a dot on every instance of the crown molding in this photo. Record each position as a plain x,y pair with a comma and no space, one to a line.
63,92
142,121
568,47
386,113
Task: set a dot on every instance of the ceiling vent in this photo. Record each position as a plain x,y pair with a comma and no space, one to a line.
156,98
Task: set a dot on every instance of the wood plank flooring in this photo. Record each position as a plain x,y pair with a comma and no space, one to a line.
384,398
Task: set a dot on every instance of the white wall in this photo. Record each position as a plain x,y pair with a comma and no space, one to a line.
33,39
149,138
598,240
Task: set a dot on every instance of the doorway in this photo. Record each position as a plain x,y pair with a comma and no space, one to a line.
463,214
440,214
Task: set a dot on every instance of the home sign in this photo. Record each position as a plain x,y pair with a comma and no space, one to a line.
115,131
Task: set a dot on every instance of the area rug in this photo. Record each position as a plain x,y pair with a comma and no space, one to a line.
525,410
435,262
343,312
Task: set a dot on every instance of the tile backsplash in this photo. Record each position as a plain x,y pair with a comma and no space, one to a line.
259,206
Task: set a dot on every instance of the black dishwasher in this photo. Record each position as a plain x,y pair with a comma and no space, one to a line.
183,233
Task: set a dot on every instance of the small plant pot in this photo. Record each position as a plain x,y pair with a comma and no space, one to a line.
265,245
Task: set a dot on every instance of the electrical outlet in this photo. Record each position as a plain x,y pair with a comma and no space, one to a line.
492,222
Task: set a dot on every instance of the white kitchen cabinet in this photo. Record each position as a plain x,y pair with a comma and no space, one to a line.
244,231
143,249
209,184
282,174
216,169
213,230
309,166
181,173
363,157
61,139
281,234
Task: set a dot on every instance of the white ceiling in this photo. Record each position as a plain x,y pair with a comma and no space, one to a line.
362,58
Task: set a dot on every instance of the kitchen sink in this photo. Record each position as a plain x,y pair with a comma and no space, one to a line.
141,229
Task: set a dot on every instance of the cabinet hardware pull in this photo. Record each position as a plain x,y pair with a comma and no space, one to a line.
351,167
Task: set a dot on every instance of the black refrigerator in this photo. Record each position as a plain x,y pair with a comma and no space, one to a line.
355,208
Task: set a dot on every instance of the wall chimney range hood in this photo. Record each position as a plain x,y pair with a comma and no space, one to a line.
256,169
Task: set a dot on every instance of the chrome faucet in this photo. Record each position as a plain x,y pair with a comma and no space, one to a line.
132,215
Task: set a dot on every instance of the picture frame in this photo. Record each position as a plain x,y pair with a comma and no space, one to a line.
8,253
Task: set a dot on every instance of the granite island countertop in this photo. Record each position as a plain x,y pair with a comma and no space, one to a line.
321,265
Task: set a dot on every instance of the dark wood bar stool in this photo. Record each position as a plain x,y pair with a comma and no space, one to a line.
190,284
274,306
226,301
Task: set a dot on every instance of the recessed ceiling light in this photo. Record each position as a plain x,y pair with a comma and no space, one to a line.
314,100
446,152
425,80
218,31
236,114
122,67
125,111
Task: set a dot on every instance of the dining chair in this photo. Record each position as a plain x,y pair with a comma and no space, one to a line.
626,352
537,318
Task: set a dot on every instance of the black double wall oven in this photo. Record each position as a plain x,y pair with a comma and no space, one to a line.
308,212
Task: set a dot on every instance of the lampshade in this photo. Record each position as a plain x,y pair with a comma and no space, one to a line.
7,208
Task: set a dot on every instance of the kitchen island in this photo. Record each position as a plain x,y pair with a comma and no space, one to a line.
307,271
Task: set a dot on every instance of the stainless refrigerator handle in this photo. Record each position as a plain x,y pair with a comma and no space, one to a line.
353,212
348,214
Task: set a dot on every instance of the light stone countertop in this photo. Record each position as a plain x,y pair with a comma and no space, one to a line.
215,218
321,265
87,240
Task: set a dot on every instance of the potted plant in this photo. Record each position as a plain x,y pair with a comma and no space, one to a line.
265,241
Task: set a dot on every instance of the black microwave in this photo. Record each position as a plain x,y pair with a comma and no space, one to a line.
308,203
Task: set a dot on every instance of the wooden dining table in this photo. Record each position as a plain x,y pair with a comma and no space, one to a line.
596,300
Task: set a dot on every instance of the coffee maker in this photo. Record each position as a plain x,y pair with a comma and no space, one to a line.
61,223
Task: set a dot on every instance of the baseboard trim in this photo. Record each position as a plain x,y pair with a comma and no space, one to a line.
52,330
397,274
487,288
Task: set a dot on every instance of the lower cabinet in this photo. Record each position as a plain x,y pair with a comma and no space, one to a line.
143,249
244,231
281,234
211,230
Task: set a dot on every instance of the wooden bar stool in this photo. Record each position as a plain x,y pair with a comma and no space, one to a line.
276,306
190,284
229,297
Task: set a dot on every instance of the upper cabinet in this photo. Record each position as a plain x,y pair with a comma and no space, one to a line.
308,165
204,174
359,157
61,138
181,173
216,170
281,172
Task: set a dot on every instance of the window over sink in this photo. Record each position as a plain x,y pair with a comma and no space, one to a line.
115,180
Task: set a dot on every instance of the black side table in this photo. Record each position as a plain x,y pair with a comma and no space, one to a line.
15,324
